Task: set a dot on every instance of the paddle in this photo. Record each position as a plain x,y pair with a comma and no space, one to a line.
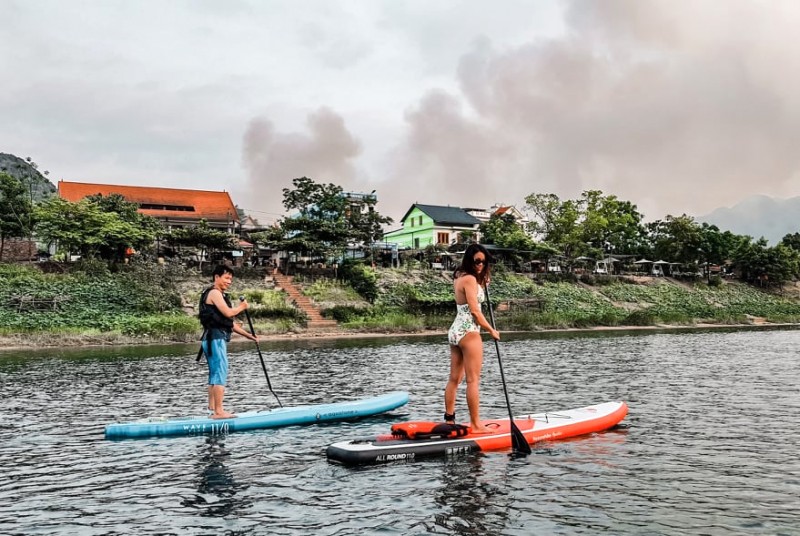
261,357
518,442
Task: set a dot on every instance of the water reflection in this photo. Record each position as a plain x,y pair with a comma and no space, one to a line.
473,502
709,446
217,488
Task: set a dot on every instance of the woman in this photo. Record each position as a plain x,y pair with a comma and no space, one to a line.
466,345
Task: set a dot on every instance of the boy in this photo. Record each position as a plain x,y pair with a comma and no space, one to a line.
216,315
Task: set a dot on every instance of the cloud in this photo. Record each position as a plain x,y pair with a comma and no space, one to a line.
675,107
651,101
326,153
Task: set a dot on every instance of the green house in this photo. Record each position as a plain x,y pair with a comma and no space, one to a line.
424,225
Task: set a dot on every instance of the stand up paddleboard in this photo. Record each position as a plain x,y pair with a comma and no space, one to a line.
255,420
413,440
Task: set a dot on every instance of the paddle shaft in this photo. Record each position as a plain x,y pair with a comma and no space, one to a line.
261,357
518,441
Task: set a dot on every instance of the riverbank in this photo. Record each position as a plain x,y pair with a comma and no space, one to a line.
157,305
45,341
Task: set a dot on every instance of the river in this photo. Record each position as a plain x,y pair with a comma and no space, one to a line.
710,445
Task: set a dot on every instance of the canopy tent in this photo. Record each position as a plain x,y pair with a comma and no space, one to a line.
661,262
643,261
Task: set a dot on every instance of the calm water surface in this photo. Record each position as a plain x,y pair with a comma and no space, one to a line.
711,444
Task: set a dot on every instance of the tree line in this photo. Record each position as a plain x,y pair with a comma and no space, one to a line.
597,226
324,221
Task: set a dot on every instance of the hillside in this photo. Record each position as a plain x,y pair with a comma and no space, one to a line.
26,172
758,216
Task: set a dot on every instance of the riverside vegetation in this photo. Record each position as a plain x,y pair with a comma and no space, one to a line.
144,303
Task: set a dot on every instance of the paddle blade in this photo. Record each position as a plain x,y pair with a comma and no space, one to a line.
518,441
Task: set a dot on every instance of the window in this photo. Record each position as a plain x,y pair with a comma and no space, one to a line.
177,208
412,222
420,221
443,238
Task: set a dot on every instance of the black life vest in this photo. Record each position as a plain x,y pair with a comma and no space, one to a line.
211,317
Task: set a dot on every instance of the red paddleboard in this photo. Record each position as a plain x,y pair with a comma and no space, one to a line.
423,439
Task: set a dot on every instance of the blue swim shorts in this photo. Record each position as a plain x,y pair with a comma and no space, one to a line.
218,362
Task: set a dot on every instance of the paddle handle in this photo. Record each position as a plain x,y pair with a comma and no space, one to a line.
260,357
497,347
518,441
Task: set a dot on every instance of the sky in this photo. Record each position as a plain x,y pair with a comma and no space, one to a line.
677,106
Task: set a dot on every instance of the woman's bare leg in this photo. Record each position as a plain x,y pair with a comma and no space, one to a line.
456,373
472,350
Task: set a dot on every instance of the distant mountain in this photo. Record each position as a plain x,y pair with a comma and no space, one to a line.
26,172
758,216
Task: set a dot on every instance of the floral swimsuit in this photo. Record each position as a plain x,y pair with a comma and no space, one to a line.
464,322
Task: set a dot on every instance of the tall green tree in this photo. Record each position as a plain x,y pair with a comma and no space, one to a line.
323,220
201,237
763,265
504,231
676,238
551,219
365,223
593,223
792,240
149,228
317,225
85,227
611,224
16,210
556,222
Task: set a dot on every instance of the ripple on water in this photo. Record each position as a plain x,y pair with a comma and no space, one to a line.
709,446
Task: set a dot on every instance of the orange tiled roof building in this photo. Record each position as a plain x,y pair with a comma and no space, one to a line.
174,207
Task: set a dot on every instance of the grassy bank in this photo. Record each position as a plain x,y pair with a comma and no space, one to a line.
423,300
135,304
154,303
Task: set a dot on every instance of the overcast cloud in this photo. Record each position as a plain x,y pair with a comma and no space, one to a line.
675,106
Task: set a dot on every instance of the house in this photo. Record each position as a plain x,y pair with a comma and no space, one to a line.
498,210
482,214
249,224
512,211
174,207
425,225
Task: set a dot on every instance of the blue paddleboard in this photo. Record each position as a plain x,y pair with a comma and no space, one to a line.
254,420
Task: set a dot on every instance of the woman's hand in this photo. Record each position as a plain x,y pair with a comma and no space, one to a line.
495,334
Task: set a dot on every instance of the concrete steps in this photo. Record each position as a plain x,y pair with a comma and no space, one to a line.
316,322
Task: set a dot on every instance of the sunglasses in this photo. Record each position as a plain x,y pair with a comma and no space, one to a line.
479,261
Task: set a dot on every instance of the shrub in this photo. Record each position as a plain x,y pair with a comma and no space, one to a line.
391,320
642,317
364,280
344,313
90,267
155,326
331,290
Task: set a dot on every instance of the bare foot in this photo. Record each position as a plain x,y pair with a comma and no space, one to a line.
479,430
223,415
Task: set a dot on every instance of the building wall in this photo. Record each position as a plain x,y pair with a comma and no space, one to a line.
417,231
17,249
